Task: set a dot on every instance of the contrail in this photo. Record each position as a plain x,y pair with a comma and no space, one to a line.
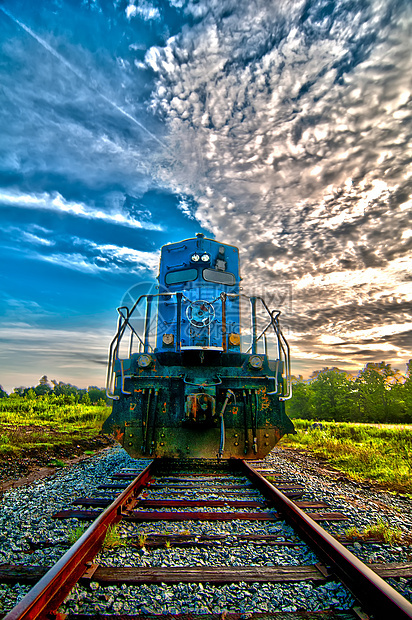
81,77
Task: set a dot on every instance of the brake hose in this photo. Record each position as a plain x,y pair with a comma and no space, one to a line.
229,393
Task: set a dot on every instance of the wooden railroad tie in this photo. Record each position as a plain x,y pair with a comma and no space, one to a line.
105,575
138,516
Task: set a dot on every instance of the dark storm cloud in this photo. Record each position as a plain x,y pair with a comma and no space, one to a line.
100,360
403,339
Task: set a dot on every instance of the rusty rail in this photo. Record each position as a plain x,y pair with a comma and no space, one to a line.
377,596
48,594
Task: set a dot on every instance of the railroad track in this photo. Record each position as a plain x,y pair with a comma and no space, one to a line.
165,493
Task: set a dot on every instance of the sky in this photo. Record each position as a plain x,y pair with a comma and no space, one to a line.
282,127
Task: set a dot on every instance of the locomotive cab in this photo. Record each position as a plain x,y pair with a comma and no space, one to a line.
206,275
206,370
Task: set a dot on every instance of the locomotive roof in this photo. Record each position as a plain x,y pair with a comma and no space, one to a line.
200,236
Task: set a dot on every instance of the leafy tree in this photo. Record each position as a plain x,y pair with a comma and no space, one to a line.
71,392
85,399
405,394
331,390
44,386
41,390
376,383
300,406
96,393
3,393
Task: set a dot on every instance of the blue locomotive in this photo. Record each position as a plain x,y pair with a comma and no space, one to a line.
198,369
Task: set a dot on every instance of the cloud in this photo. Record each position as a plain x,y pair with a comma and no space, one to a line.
58,353
58,204
143,9
79,254
104,258
30,238
288,131
73,111
22,313
186,207
294,124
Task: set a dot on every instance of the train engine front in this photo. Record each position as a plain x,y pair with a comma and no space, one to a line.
198,370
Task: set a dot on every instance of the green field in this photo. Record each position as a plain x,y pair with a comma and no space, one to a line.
381,453
41,423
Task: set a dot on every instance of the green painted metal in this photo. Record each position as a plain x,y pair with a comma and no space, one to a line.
173,408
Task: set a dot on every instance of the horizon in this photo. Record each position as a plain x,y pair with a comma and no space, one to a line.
308,378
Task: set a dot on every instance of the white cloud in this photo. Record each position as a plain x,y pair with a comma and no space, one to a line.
56,202
30,238
138,258
100,258
143,9
184,207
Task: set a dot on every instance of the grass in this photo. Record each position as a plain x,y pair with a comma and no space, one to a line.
381,531
56,463
113,539
379,453
27,424
142,540
75,534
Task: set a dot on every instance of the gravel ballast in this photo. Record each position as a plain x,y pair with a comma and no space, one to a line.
25,518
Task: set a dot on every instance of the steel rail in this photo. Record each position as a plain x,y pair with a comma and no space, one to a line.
48,594
377,596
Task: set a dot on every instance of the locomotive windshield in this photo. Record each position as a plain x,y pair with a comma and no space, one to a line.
219,277
184,275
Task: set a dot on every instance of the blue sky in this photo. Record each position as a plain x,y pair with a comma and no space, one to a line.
281,127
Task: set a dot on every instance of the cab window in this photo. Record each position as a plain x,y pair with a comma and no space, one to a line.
184,275
219,277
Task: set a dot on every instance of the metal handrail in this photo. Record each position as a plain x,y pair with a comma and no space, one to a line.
123,323
283,350
123,379
282,346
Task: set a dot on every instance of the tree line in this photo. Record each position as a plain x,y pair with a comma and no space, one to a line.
377,394
59,391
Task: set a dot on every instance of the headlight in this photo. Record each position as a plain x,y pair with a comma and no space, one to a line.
168,339
234,339
195,258
205,258
144,361
256,362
